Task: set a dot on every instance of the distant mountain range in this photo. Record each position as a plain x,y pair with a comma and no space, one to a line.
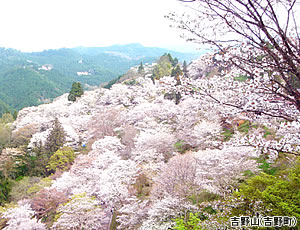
28,79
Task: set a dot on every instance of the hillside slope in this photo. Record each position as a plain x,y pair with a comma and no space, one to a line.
50,73
144,160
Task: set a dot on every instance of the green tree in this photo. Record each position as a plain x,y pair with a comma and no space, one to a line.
188,223
176,71
15,114
141,68
76,91
184,68
163,67
280,194
5,188
61,159
56,138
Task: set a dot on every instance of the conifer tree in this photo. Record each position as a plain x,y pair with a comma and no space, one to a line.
76,91
56,138
141,68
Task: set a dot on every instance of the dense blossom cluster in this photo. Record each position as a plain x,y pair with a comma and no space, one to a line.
22,217
179,149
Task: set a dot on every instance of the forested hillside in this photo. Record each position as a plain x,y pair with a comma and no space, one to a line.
152,152
33,78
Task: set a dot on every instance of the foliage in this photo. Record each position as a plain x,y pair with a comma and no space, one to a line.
266,167
163,67
268,132
5,188
241,78
23,81
227,133
61,159
76,91
130,82
141,68
176,71
279,194
20,188
189,223
203,196
35,188
244,127
5,130
33,164
56,138
112,82
181,146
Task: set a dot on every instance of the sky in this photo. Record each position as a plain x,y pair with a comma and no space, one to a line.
35,25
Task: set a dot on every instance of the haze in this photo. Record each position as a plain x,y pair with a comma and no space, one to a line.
35,25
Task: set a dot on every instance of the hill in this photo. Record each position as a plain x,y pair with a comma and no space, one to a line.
136,156
32,78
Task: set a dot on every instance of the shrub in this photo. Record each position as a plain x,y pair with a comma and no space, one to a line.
244,127
181,146
227,133
45,182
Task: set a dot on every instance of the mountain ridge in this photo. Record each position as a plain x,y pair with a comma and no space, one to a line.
58,68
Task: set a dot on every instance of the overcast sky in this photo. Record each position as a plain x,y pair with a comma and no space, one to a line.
34,25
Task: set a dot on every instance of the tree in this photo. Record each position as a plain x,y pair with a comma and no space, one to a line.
184,68
56,138
141,68
61,159
76,91
279,194
176,71
15,114
260,38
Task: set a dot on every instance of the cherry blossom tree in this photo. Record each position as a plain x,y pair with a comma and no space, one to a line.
260,38
22,217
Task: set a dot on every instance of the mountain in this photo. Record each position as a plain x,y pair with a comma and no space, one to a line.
136,51
33,78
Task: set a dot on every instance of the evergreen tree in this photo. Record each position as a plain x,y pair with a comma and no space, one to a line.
56,138
174,62
169,56
176,71
141,68
15,114
76,91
